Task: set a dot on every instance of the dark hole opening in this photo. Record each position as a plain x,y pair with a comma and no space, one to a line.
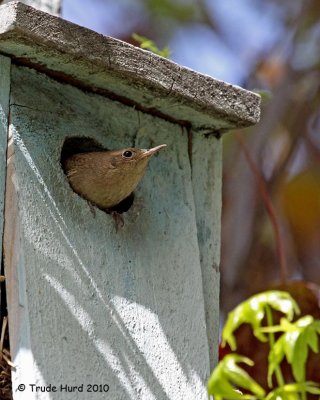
123,206
76,145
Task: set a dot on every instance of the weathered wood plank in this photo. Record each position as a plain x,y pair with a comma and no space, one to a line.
206,180
15,283
5,65
122,308
131,75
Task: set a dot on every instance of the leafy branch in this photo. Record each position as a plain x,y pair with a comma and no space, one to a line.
150,45
228,378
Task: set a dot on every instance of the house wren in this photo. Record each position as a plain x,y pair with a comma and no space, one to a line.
105,178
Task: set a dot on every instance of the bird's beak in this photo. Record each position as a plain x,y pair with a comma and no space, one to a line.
149,152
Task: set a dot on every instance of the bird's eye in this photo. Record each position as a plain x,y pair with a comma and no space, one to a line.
127,154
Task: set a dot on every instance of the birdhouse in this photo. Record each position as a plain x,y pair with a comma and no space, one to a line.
96,308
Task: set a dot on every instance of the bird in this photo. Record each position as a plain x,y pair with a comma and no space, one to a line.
106,178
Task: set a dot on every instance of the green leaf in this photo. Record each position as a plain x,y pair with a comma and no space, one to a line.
265,95
313,340
293,344
227,377
308,331
276,355
291,391
148,44
253,310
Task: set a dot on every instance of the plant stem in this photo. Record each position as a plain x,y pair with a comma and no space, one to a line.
278,372
269,207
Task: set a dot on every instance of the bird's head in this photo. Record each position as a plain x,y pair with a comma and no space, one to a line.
132,158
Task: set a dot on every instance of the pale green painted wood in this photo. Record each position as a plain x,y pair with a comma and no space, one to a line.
126,308
206,180
5,64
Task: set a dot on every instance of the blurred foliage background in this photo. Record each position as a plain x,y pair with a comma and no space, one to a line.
268,45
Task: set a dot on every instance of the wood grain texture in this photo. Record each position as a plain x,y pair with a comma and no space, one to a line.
119,70
5,65
124,308
16,290
206,181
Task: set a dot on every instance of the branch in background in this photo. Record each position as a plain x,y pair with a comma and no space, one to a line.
269,207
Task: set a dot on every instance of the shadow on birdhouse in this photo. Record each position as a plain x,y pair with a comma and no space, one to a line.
83,145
